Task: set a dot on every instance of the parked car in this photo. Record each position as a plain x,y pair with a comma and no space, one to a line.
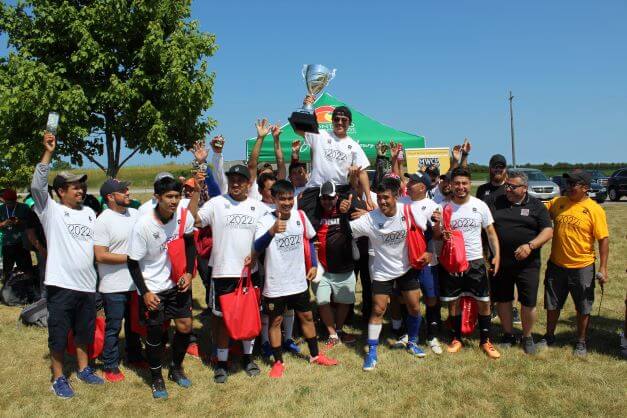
599,177
617,184
597,192
540,186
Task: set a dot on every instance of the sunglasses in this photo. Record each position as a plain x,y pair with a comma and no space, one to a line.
509,186
342,119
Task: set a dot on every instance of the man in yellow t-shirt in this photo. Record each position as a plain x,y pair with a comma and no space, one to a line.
578,222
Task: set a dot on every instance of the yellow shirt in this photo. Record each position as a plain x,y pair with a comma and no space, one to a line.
575,228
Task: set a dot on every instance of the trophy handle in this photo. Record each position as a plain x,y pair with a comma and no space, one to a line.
331,75
304,70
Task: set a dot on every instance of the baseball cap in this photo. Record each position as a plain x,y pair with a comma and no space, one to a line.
433,170
420,178
579,176
112,186
9,194
67,177
327,189
497,160
240,169
190,182
163,175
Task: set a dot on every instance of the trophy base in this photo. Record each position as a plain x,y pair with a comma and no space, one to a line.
303,121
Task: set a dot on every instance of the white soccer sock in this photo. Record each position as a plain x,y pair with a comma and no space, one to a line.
396,324
288,325
247,346
373,331
223,354
265,324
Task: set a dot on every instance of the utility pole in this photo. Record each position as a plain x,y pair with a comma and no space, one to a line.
511,124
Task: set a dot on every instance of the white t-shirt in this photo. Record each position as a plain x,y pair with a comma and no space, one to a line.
233,227
388,240
253,191
332,158
470,218
284,261
149,245
113,230
148,206
422,211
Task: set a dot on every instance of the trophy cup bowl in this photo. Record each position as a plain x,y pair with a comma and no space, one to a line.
316,79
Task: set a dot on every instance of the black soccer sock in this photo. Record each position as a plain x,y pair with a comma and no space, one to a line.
432,321
484,328
154,350
277,352
180,342
247,358
456,327
312,343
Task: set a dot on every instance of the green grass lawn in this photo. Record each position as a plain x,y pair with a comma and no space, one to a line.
553,383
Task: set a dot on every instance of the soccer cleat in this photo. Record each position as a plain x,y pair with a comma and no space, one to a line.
89,376
323,360
290,346
158,389
435,345
346,338
370,361
331,342
277,370
193,350
529,346
266,350
61,387
490,351
400,342
455,346
580,349
177,375
113,375
414,350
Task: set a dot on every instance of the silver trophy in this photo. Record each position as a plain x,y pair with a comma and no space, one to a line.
316,78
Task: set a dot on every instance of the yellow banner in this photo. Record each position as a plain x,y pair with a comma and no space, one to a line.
418,157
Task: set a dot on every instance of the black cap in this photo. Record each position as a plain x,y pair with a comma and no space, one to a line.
66,177
579,176
433,170
112,186
420,178
240,169
344,111
327,189
498,159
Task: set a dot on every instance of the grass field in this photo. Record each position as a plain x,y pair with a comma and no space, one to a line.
551,384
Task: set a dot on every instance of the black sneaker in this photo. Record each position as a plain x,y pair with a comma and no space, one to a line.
252,369
158,389
529,347
177,375
516,317
546,341
507,341
220,375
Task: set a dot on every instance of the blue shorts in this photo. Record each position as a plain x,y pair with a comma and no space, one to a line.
428,278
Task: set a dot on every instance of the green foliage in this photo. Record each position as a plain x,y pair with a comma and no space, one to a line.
119,72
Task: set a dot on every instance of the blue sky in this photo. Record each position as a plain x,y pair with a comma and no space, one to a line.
439,69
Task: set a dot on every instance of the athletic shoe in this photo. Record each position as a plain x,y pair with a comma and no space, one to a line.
529,347
266,350
323,360
580,349
370,361
61,387
290,346
113,375
193,351
331,342
277,370
489,349
435,345
507,341
400,342
516,317
89,376
414,350
346,338
220,375
546,341
158,389
252,369
455,346
177,375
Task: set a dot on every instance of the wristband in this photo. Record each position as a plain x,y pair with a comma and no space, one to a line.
530,245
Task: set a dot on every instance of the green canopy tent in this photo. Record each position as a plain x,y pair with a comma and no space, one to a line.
364,130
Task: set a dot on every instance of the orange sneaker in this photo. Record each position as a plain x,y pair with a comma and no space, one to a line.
455,346
113,375
277,370
490,351
323,360
192,350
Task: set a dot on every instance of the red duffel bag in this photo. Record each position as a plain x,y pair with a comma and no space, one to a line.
176,252
240,309
470,309
453,255
416,243
95,348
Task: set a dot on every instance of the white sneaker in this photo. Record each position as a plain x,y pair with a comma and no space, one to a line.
401,343
435,345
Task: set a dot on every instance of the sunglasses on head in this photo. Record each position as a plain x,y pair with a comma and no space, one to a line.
513,186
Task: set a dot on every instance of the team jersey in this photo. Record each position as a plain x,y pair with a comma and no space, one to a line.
471,218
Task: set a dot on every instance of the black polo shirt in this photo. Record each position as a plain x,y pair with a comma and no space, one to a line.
488,189
517,224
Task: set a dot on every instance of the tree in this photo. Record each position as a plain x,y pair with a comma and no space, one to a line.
119,72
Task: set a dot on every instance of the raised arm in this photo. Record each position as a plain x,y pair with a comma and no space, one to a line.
263,129
217,160
39,185
278,152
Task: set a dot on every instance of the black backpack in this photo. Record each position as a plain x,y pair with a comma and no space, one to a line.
18,290
35,314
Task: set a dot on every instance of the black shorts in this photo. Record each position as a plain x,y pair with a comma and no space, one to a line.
70,310
473,282
406,282
277,306
225,285
526,278
173,305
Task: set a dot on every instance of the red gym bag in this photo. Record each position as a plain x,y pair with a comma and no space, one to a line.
240,309
95,348
453,255
416,243
469,308
176,252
